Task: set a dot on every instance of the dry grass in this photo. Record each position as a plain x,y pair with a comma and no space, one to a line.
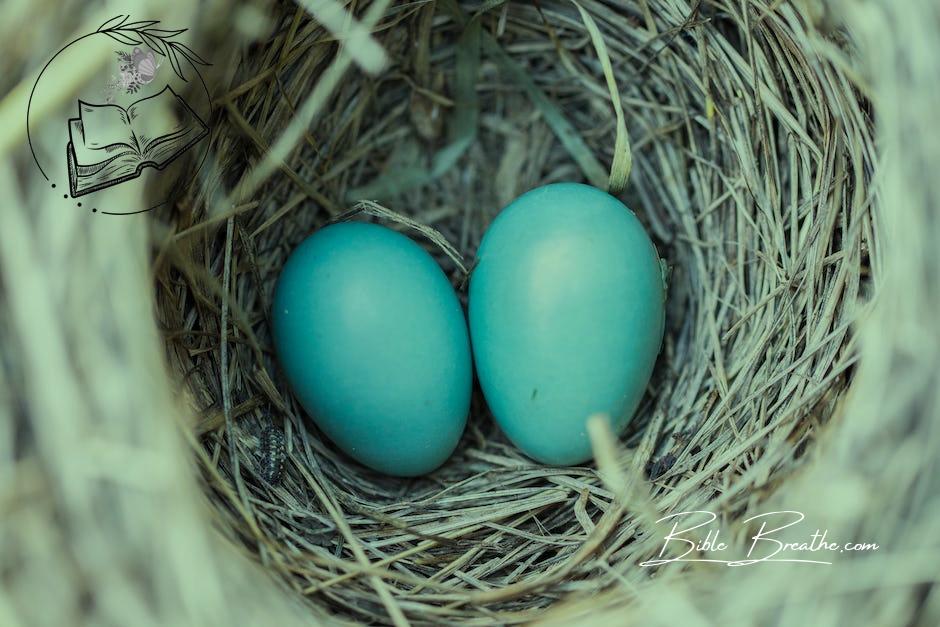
742,137
752,167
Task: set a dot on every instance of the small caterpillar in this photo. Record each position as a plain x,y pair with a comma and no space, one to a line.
272,452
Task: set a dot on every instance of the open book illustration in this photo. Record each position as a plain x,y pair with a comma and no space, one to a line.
109,144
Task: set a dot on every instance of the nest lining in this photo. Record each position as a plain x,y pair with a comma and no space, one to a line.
751,162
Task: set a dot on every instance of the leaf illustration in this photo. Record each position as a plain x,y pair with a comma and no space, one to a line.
122,37
163,33
174,61
159,40
113,22
189,53
136,26
157,45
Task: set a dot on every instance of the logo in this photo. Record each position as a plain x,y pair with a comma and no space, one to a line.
777,538
130,134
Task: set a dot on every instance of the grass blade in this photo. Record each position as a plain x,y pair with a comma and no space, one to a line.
623,155
567,134
463,128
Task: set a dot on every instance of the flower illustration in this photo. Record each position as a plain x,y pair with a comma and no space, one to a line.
135,69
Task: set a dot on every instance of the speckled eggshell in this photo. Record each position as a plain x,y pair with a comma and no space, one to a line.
566,317
373,341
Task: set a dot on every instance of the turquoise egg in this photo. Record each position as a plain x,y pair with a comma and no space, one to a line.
566,317
373,342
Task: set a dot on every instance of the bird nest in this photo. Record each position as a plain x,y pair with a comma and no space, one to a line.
746,154
741,134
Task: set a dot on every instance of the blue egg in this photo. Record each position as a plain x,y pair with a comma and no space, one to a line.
566,317
373,342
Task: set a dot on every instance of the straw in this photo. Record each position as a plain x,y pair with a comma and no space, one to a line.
141,392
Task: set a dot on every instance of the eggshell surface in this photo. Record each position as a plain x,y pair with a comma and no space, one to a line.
566,317
374,344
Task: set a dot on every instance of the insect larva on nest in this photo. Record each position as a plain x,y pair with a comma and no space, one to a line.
272,453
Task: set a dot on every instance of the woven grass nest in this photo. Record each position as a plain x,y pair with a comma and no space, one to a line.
795,372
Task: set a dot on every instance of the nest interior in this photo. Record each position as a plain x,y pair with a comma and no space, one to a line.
751,160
